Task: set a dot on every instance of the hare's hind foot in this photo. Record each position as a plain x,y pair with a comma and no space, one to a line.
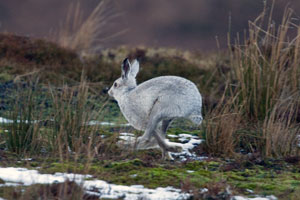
141,143
166,155
174,148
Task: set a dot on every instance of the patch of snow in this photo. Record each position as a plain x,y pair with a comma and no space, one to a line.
29,177
250,191
271,197
128,137
191,142
186,137
203,190
94,122
10,121
5,121
188,142
133,175
103,189
190,171
10,184
90,123
172,136
26,159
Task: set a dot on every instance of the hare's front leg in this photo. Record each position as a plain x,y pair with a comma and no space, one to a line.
149,131
160,137
152,143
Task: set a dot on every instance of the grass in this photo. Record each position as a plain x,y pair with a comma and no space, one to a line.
274,177
266,65
251,111
86,35
22,133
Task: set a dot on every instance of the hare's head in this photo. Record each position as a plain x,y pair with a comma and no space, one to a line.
127,80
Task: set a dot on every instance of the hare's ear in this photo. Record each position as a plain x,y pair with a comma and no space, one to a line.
125,68
135,67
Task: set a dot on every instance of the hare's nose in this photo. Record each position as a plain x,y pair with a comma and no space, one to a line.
105,90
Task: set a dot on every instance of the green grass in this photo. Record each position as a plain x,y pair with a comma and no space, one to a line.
272,178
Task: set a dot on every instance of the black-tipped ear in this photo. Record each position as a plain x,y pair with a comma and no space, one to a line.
125,68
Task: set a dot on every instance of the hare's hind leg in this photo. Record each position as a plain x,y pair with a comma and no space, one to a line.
164,126
152,131
152,143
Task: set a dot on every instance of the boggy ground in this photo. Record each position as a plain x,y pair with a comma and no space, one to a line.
246,175
52,94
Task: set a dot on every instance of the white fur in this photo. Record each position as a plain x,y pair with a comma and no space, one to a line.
153,104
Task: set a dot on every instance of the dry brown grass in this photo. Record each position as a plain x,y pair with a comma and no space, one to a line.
281,132
70,132
266,64
85,35
221,126
260,113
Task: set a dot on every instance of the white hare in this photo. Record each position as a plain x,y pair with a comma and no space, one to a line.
153,104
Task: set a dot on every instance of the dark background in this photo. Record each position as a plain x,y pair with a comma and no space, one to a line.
184,24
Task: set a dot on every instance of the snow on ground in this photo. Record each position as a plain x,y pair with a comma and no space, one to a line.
271,197
187,142
129,137
94,122
90,123
26,177
22,176
5,121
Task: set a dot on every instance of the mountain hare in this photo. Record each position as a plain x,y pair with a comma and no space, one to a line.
153,104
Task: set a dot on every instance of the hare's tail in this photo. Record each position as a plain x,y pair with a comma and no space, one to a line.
196,119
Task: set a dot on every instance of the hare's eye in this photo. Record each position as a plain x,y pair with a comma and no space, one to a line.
115,85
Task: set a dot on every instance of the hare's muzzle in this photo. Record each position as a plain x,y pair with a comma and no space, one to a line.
110,93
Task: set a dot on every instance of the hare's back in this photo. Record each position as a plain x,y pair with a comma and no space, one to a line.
168,85
169,89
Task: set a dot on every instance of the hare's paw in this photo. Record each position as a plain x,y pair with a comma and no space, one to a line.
175,148
167,156
142,143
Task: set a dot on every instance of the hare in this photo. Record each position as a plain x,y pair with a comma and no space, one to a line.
152,105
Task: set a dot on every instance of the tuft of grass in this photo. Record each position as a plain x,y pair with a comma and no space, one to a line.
266,64
51,120
280,132
70,131
221,126
86,35
22,134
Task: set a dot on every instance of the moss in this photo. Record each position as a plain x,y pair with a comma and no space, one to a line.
261,180
4,77
177,131
250,186
125,165
236,177
69,167
34,164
